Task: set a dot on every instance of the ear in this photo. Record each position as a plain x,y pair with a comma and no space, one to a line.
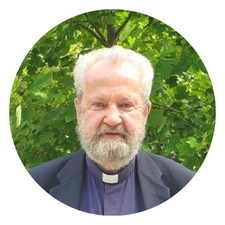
148,109
76,107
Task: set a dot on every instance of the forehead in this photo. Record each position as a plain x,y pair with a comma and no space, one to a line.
112,74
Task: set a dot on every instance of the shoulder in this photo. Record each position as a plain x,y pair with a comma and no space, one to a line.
164,164
169,173
46,174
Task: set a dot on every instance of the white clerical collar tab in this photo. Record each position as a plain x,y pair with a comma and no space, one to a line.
111,179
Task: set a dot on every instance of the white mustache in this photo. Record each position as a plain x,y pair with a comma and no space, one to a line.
106,129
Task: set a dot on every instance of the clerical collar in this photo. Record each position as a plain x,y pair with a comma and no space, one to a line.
111,179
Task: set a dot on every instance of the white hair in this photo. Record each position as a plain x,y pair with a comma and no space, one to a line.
116,55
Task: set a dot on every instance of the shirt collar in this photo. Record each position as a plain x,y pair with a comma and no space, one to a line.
122,175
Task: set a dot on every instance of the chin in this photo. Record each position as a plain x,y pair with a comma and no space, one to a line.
112,160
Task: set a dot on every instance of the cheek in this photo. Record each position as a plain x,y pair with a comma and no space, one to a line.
93,119
132,122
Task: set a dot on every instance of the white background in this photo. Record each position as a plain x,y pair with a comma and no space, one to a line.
23,23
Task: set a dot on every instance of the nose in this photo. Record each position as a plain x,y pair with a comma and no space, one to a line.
112,116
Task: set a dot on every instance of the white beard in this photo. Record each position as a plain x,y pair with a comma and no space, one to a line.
111,154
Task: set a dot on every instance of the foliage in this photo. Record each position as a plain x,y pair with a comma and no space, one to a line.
42,113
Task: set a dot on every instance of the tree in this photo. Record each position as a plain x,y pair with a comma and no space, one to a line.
42,113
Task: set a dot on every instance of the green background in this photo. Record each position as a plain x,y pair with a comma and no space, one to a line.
42,113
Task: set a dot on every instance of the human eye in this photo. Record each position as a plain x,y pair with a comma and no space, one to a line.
98,105
127,106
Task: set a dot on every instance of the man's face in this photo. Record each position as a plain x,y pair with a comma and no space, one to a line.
111,119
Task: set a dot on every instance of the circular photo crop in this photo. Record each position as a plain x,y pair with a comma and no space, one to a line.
112,112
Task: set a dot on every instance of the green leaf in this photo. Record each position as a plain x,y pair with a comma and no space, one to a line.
110,20
199,114
156,118
171,146
150,55
93,16
53,153
192,58
52,62
58,125
53,114
38,126
166,51
70,115
131,41
174,139
65,60
38,95
187,131
164,135
23,65
197,121
155,87
69,82
18,115
145,147
191,163
202,66
15,84
126,31
42,80
172,81
71,31
42,137
183,42
185,149
24,131
165,70
28,114
179,122
193,142
184,140
176,105
180,93
180,68
35,160
54,96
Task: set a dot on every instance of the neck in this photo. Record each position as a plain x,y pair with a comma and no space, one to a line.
111,168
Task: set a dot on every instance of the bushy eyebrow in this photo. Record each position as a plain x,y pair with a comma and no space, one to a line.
102,99
97,97
126,98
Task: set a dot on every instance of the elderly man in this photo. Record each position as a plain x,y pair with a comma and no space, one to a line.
111,175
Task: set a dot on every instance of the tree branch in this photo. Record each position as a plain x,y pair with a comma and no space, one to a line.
79,21
95,35
97,30
123,25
